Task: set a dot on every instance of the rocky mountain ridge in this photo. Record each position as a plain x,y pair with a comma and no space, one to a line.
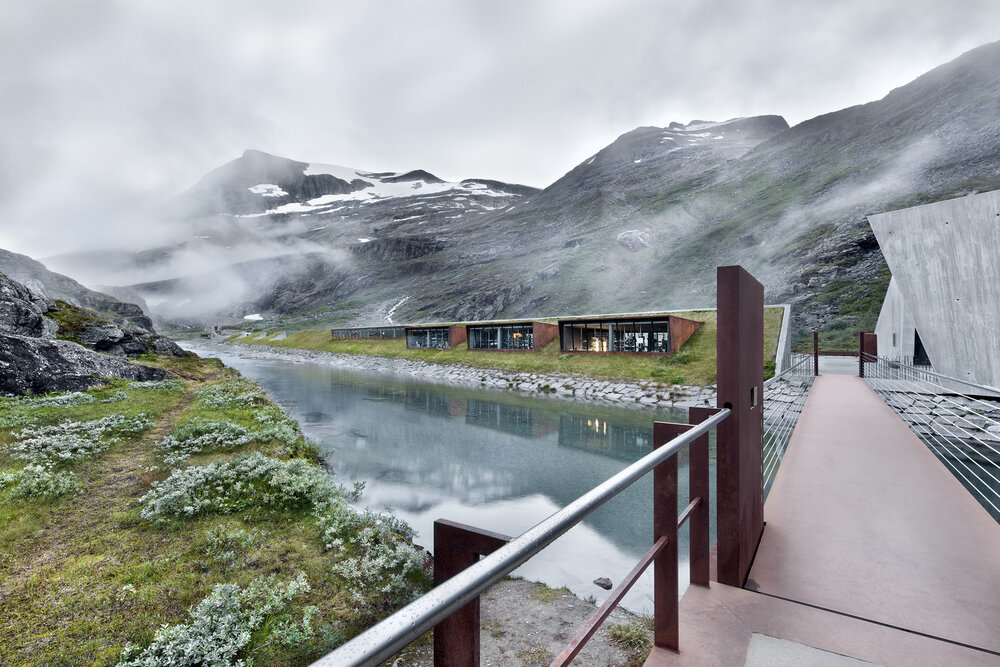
640,225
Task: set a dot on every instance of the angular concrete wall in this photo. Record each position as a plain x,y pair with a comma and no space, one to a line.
945,260
895,328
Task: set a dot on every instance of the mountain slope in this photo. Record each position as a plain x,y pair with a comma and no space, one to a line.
640,225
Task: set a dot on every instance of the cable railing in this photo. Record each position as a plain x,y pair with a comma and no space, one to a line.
784,396
385,639
961,429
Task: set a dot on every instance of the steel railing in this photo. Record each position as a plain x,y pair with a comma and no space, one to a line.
385,639
784,396
961,429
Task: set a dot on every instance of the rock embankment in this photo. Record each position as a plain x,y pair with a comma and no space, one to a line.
625,393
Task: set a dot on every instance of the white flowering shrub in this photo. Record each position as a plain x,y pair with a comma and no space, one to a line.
236,393
70,441
117,397
38,480
222,625
200,435
379,565
235,485
58,400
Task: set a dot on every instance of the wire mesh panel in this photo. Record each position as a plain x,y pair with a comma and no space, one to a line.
957,420
784,396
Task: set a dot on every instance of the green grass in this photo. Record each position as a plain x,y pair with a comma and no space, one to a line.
693,364
544,593
83,575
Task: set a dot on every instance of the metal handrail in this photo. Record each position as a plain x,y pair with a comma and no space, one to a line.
919,369
388,637
788,370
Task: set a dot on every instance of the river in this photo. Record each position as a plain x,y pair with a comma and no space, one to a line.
495,460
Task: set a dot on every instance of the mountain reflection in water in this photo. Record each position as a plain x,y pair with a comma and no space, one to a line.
495,460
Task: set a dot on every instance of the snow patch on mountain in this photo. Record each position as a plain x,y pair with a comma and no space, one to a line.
268,190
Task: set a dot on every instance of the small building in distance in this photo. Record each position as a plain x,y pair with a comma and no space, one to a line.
642,333
435,336
522,336
369,332
632,334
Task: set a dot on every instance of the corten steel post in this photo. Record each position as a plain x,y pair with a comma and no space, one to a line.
698,484
666,608
815,353
666,614
456,547
867,345
739,444
861,354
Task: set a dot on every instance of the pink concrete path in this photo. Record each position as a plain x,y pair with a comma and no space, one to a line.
871,549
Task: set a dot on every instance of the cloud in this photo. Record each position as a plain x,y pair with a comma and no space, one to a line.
111,106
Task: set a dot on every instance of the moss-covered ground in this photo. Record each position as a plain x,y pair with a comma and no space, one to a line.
693,364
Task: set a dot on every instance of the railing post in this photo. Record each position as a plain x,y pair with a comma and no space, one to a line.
815,353
666,611
699,487
456,547
739,451
861,354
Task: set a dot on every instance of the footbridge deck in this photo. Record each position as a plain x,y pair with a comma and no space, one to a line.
872,553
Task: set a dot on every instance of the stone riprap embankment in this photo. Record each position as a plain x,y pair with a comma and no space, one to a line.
624,393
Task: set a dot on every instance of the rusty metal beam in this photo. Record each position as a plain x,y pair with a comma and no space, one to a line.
456,547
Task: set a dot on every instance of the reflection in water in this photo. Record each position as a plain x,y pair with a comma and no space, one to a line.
602,436
494,460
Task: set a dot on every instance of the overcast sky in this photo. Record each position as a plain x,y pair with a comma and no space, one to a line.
109,106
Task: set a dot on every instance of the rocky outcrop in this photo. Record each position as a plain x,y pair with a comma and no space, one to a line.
48,285
39,366
22,312
89,329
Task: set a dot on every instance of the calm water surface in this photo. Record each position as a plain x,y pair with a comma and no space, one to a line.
494,460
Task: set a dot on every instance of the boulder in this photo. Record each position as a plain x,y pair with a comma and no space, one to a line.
23,313
39,366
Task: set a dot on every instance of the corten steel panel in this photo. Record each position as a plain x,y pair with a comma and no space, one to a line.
457,334
456,547
869,344
740,378
681,329
543,333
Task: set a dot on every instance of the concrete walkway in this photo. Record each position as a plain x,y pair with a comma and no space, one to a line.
872,550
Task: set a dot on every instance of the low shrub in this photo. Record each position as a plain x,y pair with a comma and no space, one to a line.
228,542
225,623
235,393
200,435
70,441
379,565
239,484
35,480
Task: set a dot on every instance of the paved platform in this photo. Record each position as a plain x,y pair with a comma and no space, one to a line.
872,550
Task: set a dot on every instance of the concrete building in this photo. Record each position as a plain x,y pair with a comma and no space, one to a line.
943,302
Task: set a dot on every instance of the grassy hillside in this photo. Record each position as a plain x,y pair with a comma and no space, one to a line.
693,364
192,502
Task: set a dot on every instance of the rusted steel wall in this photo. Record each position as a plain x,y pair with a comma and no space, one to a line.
740,376
543,334
457,334
681,330
869,344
